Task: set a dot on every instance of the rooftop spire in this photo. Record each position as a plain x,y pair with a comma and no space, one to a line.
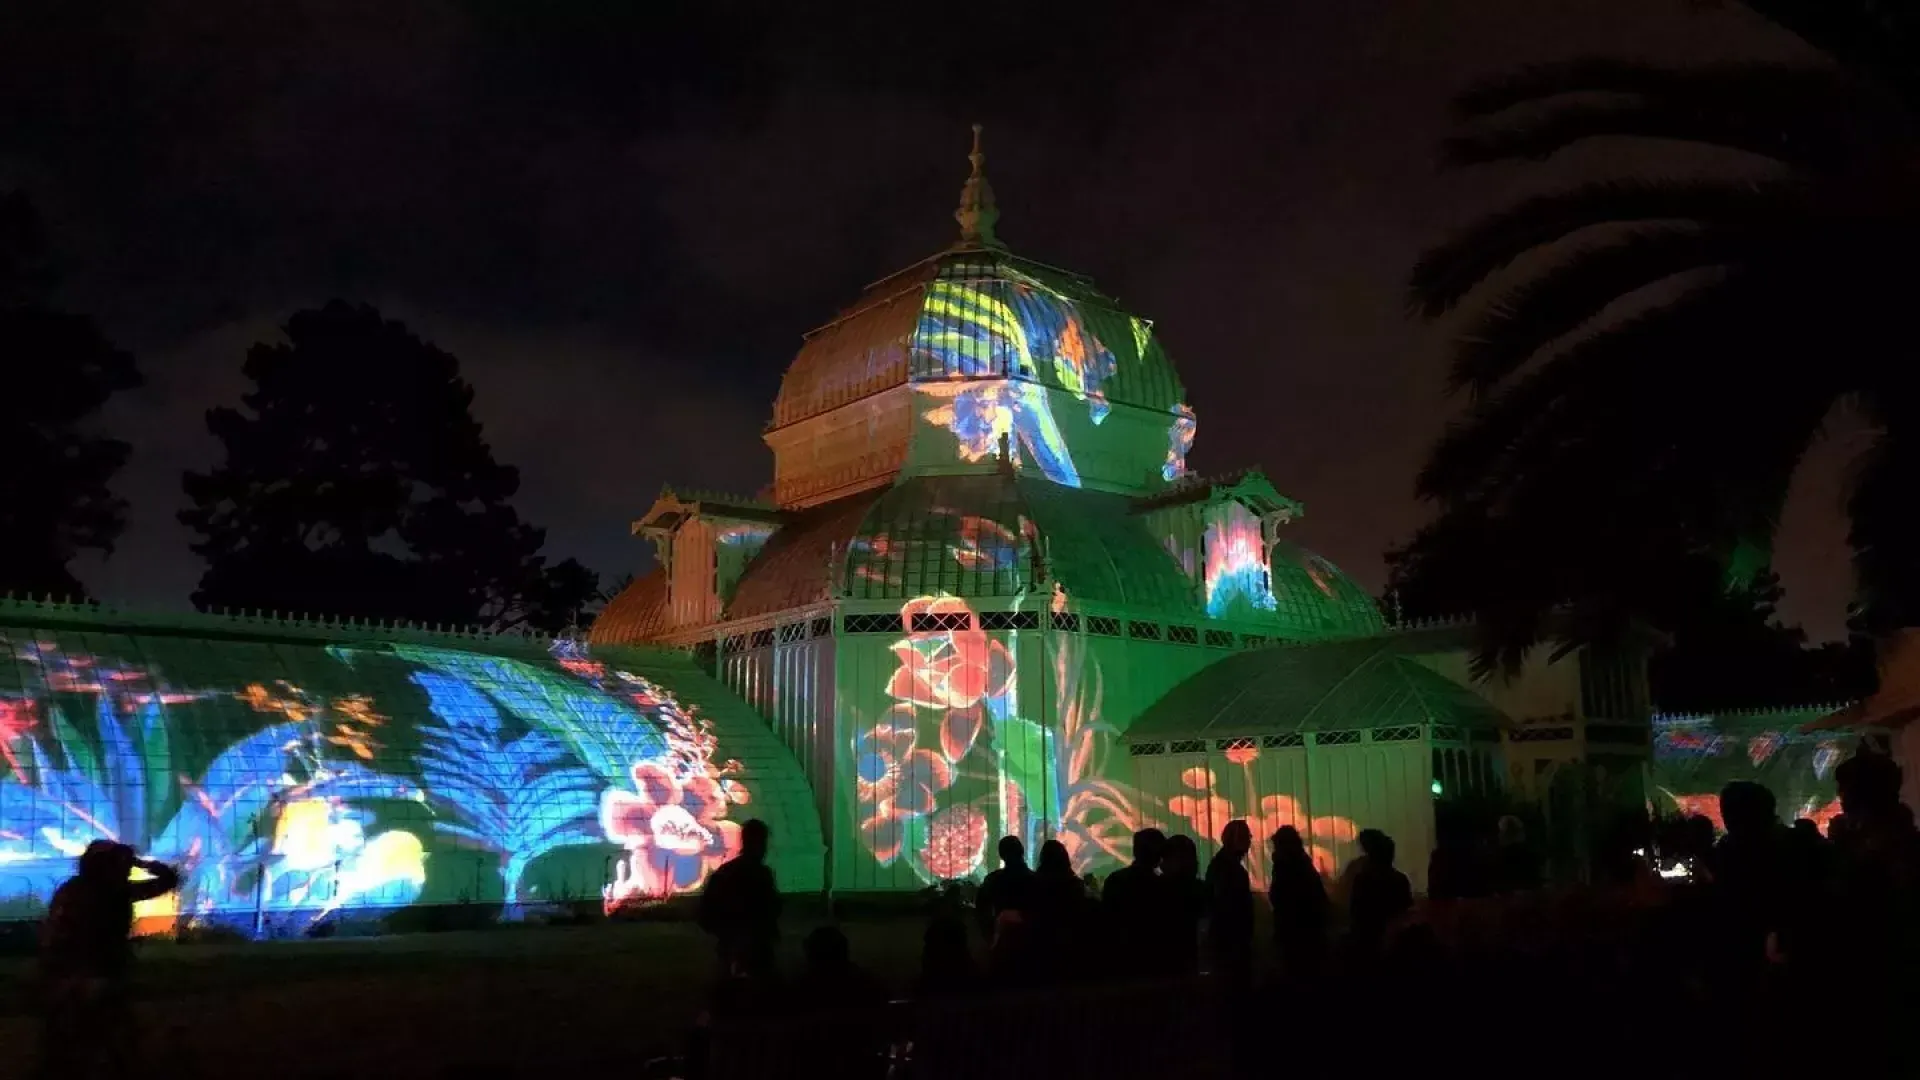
977,213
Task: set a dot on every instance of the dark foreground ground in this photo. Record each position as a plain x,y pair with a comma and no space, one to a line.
518,1000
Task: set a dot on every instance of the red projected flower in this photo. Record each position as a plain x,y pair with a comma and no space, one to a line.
1707,806
16,719
948,668
956,840
672,829
1243,755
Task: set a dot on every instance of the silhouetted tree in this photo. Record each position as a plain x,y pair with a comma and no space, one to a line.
58,369
356,482
1643,394
1717,648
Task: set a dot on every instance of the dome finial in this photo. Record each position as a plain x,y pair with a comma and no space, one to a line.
977,214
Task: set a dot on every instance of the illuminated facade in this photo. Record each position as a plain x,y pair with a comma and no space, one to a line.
299,773
984,594
1696,755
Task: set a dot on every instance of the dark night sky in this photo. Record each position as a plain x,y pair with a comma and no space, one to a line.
622,220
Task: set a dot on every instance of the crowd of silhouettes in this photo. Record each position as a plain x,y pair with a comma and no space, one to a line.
1731,927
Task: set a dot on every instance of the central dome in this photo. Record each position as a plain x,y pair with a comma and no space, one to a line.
972,355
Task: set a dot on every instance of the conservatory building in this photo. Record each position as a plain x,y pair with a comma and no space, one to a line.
982,595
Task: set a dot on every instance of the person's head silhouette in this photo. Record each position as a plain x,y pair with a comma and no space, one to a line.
754,838
1183,857
1869,784
1377,847
1287,845
106,861
1236,839
1054,858
1149,847
1012,852
1747,808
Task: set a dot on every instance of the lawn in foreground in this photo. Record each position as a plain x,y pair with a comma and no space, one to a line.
516,999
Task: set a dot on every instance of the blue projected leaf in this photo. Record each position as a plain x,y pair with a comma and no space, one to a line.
605,734
157,753
126,777
520,798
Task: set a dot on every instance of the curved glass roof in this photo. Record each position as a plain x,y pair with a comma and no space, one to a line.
1316,599
1329,686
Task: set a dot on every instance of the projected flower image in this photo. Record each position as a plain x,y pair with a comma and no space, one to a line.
953,668
674,828
1180,435
1207,811
284,804
984,347
959,757
1237,574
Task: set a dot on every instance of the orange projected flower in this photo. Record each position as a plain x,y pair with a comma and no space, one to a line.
1209,812
673,830
1205,813
948,668
1243,755
1823,817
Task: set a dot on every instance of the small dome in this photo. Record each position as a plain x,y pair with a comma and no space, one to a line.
1316,599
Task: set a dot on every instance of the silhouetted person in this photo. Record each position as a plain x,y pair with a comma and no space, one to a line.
1380,895
946,963
740,906
1877,877
1188,901
1812,852
1135,902
1062,908
1230,908
1751,875
1016,958
1299,897
1515,866
85,954
845,1044
1457,868
829,979
1010,888
1701,836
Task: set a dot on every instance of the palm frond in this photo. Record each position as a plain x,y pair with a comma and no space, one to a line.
1580,487
1804,137
1446,274
1741,84
1523,426
1532,316
1885,530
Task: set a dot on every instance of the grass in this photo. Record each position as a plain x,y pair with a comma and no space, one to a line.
529,999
